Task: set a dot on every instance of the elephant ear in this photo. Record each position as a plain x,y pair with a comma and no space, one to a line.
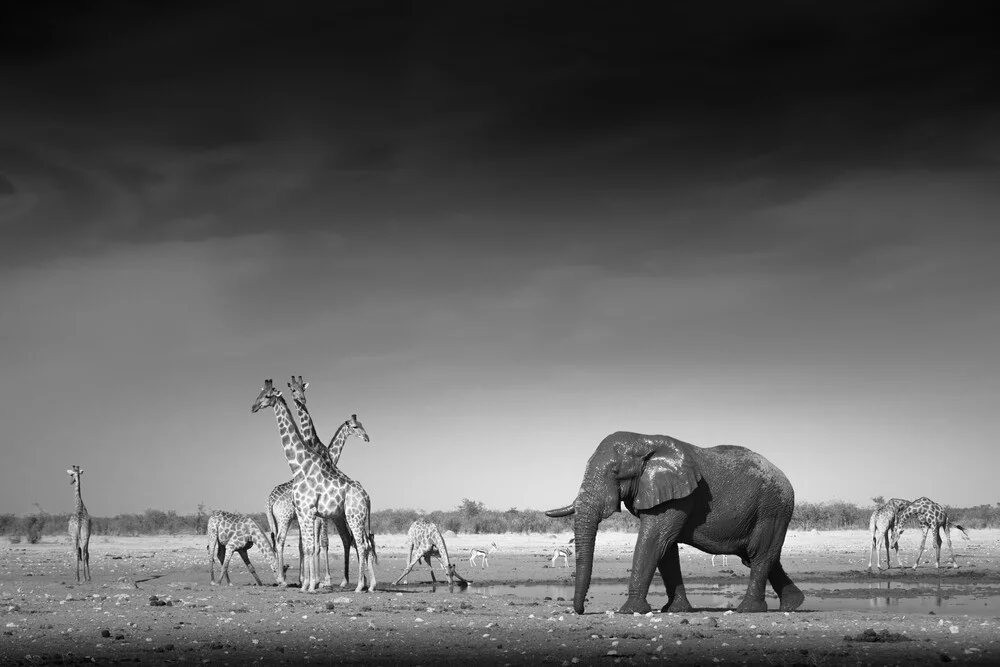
668,474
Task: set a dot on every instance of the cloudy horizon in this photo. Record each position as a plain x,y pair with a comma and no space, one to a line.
497,235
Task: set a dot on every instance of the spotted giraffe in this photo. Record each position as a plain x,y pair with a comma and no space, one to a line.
929,516
319,492
79,526
230,533
357,501
882,522
425,541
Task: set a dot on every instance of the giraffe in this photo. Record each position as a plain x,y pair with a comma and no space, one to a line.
930,516
476,552
319,492
425,541
357,500
230,533
79,526
882,521
725,560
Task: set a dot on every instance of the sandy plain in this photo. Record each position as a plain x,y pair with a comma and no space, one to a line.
150,602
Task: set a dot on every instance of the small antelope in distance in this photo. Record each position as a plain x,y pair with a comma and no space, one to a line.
564,551
725,560
481,551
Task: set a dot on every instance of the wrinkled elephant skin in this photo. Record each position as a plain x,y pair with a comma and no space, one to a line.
722,500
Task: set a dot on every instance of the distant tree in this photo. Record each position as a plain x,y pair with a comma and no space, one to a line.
471,508
201,520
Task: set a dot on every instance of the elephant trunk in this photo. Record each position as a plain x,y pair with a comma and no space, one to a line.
584,536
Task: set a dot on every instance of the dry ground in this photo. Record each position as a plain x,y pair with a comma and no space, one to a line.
50,619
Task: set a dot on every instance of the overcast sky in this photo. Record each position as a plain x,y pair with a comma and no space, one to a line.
497,235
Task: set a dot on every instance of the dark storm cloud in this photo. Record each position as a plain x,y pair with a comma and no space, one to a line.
194,121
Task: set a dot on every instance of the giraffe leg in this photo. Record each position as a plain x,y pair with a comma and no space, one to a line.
947,534
345,538
225,566
78,552
246,559
279,546
213,551
431,566
324,549
86,560
920,551
937,547
409,566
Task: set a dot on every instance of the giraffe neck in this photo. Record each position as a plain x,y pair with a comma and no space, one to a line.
298,455
336,447
80,508
306,422
264,544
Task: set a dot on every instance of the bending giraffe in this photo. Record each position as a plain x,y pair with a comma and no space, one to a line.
79,526
483,552
881,523
425,541
230,533
357,500
319,492
929,516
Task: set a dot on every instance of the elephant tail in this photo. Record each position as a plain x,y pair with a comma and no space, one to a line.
965,535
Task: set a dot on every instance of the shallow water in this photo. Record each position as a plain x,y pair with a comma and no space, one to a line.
978,600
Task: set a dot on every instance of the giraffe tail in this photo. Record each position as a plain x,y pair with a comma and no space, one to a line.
272,527
965,535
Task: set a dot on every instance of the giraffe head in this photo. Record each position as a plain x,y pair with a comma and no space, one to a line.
353,427
298,388
74,474
268,396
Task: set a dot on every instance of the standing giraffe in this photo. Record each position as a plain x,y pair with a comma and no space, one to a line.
230,533
426,541
79,526
476,552
319,492
929,516
357,501
281,510
882,521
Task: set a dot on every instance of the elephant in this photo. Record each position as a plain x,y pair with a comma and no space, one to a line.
722,500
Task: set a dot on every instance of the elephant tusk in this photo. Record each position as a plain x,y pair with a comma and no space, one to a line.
562,511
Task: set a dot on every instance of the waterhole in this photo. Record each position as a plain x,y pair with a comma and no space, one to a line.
974,600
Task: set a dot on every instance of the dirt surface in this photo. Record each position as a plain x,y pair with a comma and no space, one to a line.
150,602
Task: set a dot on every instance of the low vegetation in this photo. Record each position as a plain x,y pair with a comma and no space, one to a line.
469,517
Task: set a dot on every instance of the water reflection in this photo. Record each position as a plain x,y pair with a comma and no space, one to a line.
981,600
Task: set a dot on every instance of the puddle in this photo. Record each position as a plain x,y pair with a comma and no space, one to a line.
978,600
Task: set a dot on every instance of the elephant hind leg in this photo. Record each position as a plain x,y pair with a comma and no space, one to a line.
764,552
788,593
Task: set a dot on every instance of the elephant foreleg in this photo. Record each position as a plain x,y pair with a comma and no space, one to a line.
670,572
658,532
